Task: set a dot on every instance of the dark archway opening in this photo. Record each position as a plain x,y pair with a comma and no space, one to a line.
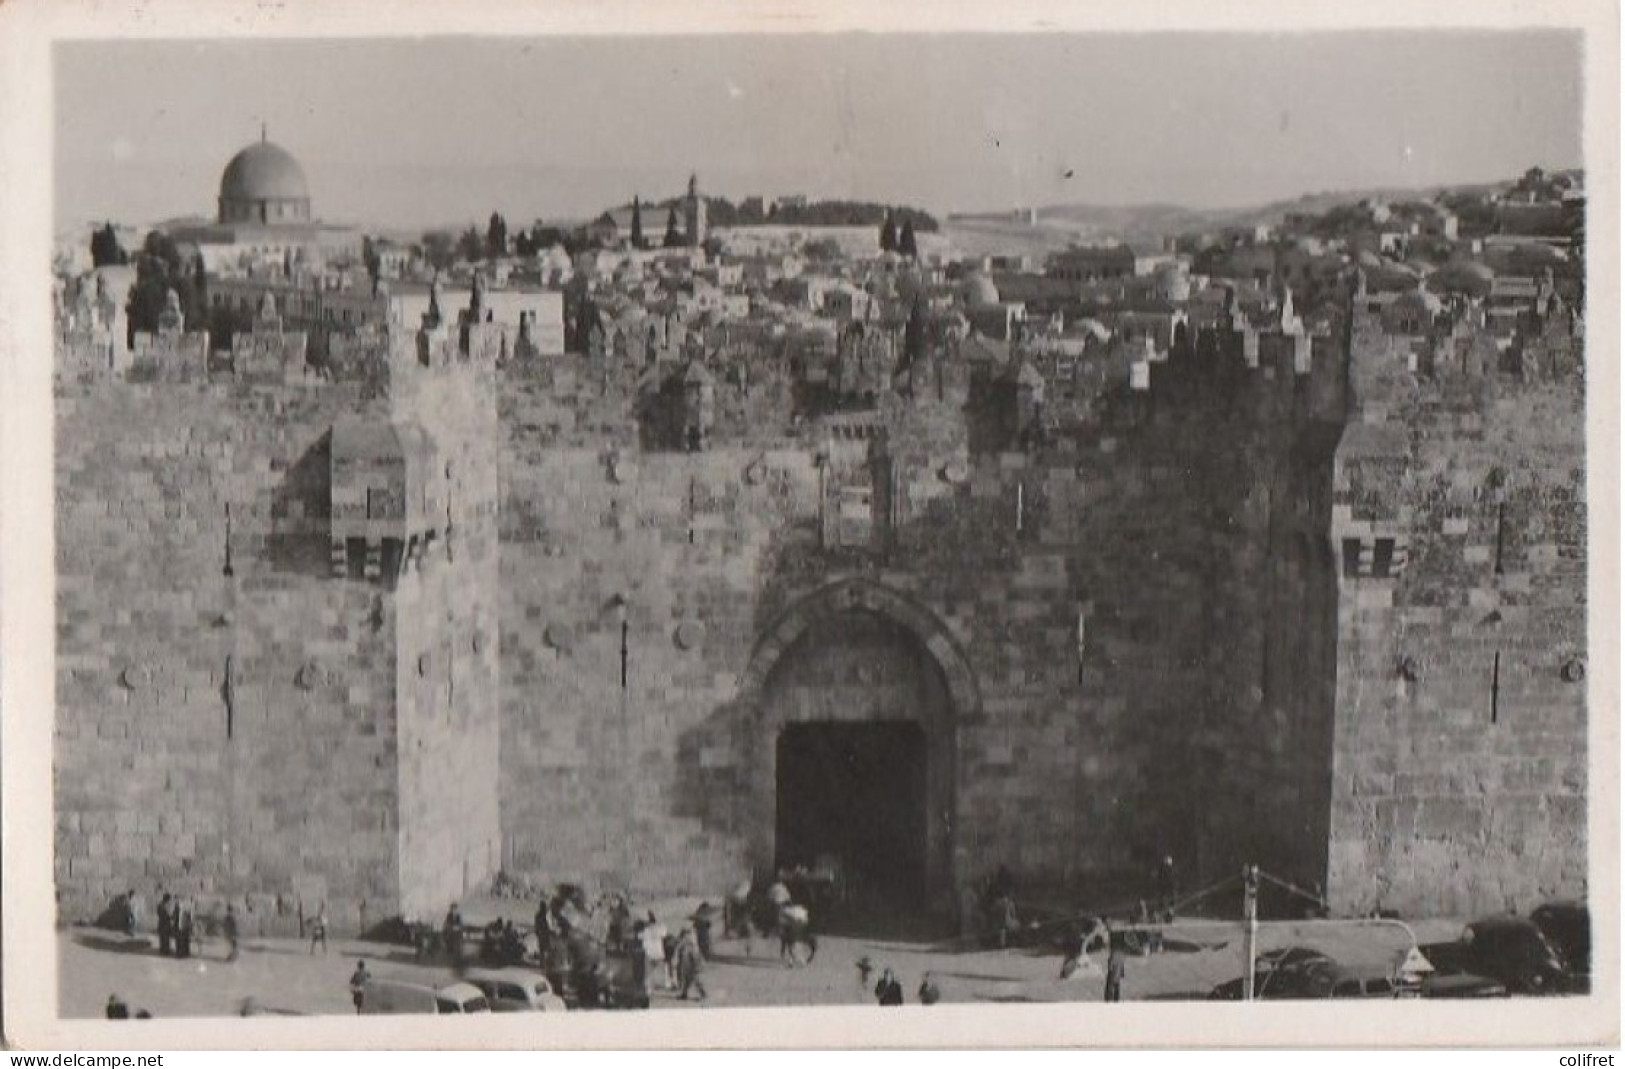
851,804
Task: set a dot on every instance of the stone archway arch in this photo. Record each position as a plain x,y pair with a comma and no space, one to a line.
851,595
812,618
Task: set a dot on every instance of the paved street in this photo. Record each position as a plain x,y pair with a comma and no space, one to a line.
281,975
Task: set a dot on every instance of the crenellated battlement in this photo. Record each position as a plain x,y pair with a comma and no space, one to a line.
394,358
381,361
1428,349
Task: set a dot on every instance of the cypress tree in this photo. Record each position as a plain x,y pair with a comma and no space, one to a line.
905,243
888,235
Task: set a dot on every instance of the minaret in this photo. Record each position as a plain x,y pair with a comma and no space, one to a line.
694,213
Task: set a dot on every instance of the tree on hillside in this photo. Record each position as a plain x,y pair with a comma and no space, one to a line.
439,249
905,241
105,249
370,257
637,223
470,246
496,238
544,237
674,237
888,234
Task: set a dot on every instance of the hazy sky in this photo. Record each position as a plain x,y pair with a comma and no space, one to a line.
408,132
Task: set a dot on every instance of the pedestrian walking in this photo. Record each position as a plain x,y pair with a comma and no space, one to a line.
318,929
866,969
930,995
358,984
166,925
230,930
117,1008
889,992
690,963
1114,975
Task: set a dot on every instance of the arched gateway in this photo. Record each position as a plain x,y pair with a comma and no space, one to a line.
855,697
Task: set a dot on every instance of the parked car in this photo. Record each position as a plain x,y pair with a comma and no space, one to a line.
401,996
1318,978
1286,961
515,990
1510,950
1567,926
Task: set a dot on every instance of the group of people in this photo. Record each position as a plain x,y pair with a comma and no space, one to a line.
576,942
176,927
180,926
674,961
888,990
119,1010
503,944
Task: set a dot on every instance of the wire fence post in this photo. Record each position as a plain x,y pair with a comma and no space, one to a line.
1249,942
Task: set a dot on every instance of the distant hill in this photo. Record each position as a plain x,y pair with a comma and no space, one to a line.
1142,223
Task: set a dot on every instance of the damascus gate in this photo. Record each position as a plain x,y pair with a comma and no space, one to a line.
367,623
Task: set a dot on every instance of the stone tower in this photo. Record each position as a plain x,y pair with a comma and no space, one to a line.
694,214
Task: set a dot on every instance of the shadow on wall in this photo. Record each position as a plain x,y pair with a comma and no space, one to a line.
301,512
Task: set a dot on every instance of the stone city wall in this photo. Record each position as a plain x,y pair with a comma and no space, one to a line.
1076,762
218,736
1460,764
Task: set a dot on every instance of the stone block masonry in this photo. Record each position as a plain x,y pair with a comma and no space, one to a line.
235,721
1258,605
1460,754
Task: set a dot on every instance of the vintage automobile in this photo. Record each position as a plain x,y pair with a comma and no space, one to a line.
515,990
1273,969
1312,978
400,996
1510,950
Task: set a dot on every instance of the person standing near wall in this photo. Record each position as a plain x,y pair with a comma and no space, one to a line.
318,930
132,912
229,929
183,929
1167,883
451,934
166,925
